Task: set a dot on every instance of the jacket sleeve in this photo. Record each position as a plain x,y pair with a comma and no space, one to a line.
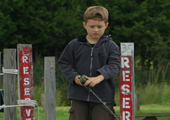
66,62
113,63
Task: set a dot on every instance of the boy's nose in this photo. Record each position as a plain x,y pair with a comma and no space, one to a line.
95,29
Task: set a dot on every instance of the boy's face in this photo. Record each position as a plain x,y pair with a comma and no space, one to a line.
95,29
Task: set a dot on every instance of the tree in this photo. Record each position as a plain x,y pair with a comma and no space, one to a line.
45,24
50,25
137,21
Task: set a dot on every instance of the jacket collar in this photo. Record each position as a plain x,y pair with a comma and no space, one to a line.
82,38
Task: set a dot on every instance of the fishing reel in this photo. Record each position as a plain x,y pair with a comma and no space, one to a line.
83,79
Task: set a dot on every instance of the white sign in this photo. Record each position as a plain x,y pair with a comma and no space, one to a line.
127,49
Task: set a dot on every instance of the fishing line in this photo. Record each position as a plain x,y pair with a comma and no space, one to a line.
104,103
83,80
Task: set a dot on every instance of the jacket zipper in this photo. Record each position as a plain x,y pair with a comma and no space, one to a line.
91,62
90,71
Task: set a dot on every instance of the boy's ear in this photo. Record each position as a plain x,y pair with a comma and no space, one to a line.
84,24
106,24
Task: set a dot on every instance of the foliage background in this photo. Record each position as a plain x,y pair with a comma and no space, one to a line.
50,24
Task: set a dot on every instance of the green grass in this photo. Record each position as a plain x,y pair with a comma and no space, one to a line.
62,112
154,94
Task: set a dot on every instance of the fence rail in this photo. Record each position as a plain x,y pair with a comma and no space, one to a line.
149,116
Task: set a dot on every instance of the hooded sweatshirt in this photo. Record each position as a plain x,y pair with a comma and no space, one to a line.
102,58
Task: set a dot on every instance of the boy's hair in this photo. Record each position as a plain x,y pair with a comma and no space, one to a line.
96,13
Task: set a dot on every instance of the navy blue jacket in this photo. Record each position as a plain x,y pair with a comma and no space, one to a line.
79,56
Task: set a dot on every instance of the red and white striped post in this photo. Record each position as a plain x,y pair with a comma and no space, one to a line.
127,111
25,82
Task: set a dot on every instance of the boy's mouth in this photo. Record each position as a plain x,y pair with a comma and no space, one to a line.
96,34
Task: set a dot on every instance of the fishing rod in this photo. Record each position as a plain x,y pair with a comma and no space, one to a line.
83,80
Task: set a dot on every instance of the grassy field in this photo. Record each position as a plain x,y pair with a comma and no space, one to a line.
62,112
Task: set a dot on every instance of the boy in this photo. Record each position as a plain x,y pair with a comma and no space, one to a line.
96,56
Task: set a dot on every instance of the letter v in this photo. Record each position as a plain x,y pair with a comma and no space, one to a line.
28,112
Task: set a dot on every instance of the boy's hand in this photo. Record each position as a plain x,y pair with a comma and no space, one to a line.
92,81
77,80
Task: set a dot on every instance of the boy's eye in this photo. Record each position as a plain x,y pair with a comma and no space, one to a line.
99,26
92,26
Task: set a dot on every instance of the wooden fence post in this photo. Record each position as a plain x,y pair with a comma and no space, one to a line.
10,84
50,88
137,102
127,82
25,79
